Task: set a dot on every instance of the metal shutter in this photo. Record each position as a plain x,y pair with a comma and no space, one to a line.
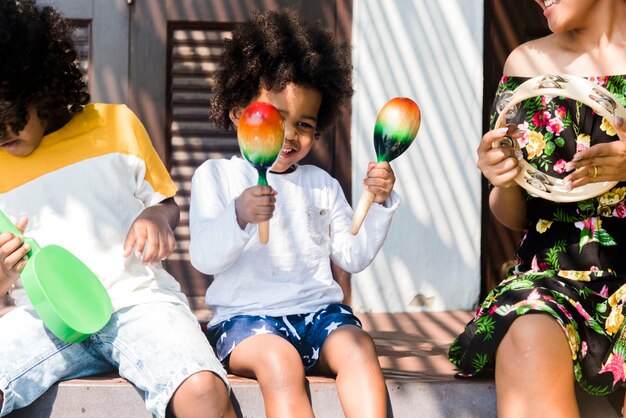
193,56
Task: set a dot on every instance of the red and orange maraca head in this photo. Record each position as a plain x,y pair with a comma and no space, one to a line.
396,127
261,134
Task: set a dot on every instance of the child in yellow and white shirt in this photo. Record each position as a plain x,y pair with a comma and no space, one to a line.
86,177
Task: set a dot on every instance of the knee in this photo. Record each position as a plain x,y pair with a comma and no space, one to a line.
518,340
282,361
203,387
353,342
531,336
363,347
363,339
279,369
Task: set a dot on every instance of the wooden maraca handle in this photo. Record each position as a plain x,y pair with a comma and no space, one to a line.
367,198
264,232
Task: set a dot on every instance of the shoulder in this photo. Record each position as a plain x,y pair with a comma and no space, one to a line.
116,122
316,172
533,58
216,163
221,166
318,178
110,112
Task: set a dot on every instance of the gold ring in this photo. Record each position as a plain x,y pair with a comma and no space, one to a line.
595,171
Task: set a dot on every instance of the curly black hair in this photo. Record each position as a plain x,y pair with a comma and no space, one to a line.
39,66
273,49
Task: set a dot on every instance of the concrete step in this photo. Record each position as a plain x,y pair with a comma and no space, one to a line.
111,396
412,350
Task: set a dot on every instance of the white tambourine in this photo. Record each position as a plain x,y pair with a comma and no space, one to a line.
536,182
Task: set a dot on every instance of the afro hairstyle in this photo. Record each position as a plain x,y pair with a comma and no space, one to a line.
273,49
38,67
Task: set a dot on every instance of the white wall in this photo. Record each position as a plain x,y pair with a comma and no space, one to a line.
430,51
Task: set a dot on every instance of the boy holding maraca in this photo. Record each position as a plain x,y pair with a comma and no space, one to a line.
277,310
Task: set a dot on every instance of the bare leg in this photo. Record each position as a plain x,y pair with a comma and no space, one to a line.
350,354
277,366
203,394
534,370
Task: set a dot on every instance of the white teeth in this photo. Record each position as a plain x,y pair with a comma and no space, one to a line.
549,3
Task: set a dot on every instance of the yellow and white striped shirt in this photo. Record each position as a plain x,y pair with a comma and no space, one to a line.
82,188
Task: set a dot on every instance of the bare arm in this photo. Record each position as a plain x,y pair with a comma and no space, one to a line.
500,166
509,207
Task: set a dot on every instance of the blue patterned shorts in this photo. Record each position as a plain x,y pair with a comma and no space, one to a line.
306,332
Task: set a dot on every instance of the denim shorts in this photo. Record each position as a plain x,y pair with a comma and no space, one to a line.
155,345
306,332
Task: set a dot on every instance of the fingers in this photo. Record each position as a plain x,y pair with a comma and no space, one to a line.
499,159
500,165
19,266
263,191
592,173
150,251
491,137
150,245
13,251
380,180
136,240
256,204
586,156
129,242
620,126
598,163
21,224
262,208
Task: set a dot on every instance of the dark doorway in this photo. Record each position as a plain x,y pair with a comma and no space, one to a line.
508,23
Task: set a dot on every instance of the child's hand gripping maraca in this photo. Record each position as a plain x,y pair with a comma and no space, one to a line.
397,124
261,135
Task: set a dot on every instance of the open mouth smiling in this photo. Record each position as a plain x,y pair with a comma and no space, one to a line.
287,151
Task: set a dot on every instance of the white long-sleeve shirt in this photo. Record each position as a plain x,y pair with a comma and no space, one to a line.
310,226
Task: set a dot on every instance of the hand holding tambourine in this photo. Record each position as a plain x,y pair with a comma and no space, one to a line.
601,162
539,183
396,126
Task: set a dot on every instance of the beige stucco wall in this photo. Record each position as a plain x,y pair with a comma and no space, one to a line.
430,51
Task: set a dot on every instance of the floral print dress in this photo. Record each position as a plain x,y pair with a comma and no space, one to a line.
571,261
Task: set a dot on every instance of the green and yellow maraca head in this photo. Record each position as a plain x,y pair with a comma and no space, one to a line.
261,134
397,124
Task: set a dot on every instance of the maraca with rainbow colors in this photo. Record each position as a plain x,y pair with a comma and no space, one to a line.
396,126
261,135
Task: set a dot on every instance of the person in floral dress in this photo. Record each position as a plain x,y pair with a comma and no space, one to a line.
570,266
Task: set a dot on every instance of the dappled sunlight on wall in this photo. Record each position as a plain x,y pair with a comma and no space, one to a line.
432,54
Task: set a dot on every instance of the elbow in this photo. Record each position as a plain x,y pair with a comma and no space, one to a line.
353,266
200,263
202,259
206,264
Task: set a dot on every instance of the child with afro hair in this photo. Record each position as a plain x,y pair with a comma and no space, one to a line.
86,177
277,311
